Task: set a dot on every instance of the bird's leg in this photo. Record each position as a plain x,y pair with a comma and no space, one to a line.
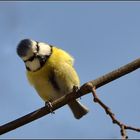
76,89
49,105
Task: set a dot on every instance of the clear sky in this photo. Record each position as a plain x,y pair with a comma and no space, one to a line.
101,36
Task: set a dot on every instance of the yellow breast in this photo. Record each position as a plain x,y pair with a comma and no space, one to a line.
40,79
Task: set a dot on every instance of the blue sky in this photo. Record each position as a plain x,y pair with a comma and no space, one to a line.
101,36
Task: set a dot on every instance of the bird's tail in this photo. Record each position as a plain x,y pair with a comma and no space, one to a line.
78,109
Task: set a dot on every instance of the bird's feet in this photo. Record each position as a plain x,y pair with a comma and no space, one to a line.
76,89
49,105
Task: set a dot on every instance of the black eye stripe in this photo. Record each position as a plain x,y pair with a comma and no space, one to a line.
37,47
30,59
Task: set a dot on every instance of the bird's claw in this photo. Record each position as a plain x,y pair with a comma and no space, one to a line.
76,89
49,105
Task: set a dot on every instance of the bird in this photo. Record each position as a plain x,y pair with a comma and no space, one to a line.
50,70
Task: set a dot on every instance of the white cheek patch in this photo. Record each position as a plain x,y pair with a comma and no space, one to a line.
44,49
33,65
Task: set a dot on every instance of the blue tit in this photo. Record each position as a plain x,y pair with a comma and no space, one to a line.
50,71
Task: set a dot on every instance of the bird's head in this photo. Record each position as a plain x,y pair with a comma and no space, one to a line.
33,53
